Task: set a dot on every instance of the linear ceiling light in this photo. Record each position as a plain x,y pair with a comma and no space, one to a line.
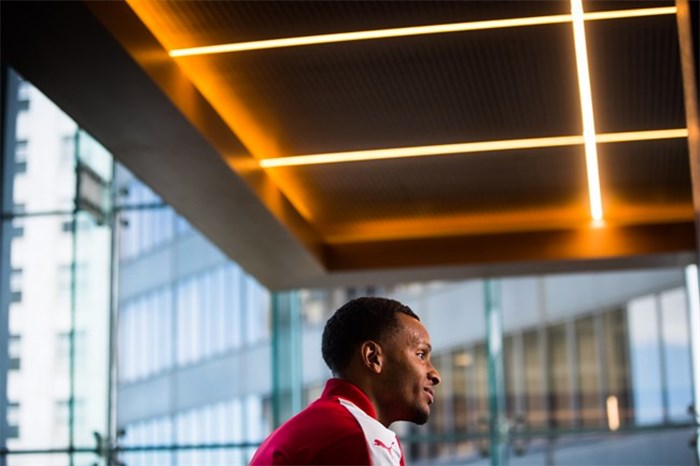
466,148
584,87
414,31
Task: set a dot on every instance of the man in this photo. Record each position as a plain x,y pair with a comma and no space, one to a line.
379,353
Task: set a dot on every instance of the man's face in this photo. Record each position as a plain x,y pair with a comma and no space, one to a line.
409,376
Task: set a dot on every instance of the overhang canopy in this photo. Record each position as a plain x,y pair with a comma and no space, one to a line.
491,175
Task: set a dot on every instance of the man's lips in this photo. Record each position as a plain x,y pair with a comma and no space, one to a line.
431,395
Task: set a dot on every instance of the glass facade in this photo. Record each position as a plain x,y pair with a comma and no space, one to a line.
56,265
122,326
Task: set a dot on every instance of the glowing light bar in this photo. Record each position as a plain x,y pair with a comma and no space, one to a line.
420,151
413,31
584,87
613,413
465,148
631,136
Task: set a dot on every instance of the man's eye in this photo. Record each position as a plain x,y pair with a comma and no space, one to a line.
421,354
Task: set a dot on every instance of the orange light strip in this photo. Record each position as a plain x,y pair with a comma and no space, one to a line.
466,148
414,31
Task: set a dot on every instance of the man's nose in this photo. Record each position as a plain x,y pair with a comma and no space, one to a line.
434,376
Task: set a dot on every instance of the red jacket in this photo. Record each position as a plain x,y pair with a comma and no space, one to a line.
332,431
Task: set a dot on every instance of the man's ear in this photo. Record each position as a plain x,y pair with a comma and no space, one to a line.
372,356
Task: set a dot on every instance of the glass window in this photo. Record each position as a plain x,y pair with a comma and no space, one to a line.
62,418
167,312
676,354
63,350
560,377
17,228
249,309
510,377
132,342
588,390
40,126
182,353
21,156
158,323
67,157
135,220
13,419
182,226
21,147
181,438
534,380
16,297
480,400
441,419
168,220
14,352
195,318
234,302
617,367
645,360
315,306
206,319
16,277
24,90
80,349
40,279
257,310
235,428
254,422
145,332
220,311
153,336
218,433
124,342
461,360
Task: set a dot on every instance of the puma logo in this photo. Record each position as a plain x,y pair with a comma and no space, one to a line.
379,443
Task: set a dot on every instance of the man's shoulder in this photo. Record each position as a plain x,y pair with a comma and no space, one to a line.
324,431
325,414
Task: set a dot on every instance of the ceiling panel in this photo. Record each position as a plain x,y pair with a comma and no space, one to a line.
636,74
518,190
184,24
472,86
646,181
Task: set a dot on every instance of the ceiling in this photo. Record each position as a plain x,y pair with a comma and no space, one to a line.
197,127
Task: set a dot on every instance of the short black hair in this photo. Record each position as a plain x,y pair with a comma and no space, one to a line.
359,320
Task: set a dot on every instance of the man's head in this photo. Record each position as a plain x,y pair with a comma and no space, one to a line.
381,345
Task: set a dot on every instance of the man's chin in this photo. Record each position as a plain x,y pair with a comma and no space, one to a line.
421,417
